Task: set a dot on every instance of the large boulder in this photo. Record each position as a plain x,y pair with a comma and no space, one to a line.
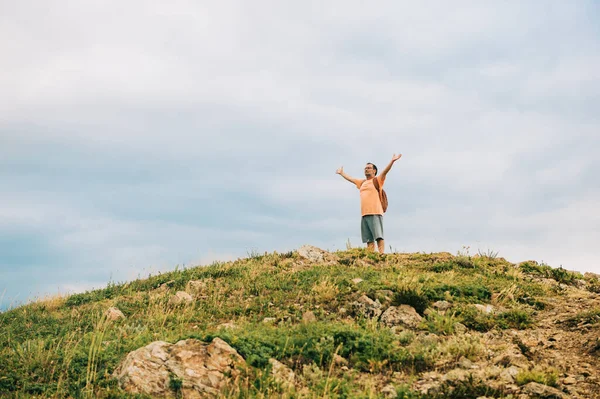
204,369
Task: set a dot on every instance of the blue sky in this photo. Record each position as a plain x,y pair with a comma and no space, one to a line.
138,136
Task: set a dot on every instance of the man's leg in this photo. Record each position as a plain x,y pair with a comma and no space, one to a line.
381,245
371,246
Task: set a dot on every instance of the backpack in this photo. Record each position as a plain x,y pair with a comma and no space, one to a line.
382,194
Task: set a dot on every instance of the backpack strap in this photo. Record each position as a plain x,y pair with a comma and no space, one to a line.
376,184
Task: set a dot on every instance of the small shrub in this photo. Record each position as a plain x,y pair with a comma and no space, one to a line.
438,323
464,262
587,317
515,318
441,267
469,388
175,384
475,320
547,377
325,291
412,297
404,392
564,276
406,337
559,274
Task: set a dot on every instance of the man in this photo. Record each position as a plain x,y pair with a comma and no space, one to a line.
371,226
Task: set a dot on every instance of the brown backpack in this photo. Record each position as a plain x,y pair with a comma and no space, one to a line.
382,194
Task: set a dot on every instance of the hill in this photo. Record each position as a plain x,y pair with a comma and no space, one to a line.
309,323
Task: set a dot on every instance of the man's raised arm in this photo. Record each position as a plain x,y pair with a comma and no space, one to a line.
340,172
387,168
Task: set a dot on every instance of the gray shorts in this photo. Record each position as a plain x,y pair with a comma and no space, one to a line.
371,228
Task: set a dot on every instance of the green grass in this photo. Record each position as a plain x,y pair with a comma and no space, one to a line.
65,347
547,377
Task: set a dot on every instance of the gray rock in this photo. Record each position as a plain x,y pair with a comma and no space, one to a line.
311,253
460,328
113,314
181,297
442,305
366,307
282,373
543,391
309,317
570,381
403,315
337,359
389,391
508,375
196,287
488,309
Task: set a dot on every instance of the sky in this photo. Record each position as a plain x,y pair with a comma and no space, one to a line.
139,136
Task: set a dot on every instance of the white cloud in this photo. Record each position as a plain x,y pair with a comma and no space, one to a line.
146,135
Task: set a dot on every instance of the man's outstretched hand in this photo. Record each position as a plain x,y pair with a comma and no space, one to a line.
340,170
396,157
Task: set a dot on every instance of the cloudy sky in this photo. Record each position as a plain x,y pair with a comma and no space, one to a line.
136,136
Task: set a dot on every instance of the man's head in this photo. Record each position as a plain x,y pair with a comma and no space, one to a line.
370,170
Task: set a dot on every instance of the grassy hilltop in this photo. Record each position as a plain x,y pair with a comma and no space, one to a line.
542,325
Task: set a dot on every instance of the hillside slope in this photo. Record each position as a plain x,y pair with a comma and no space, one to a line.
343,324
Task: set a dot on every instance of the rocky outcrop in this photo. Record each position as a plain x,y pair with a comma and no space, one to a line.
203,369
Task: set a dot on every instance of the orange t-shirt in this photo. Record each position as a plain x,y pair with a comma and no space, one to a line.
370,204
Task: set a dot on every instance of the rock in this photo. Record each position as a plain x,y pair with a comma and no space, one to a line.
269,320
366,307
196,287
384,296
164,287
228,326
181,297
357,280
311,253
403,315
309,317
460,328
511,357
204,369
465,363
389,391
581,284
569,381
488,309
508,375
456,375
340,361
442,305
591,276
543,391
113,314
282,373
342,311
